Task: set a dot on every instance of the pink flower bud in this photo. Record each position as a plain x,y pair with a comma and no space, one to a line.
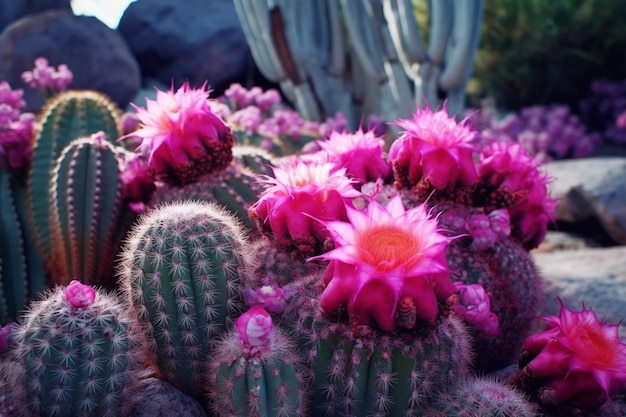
255,327
79,295
500,222
475,306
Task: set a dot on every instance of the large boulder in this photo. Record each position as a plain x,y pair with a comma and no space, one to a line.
11,10
97,55
191,40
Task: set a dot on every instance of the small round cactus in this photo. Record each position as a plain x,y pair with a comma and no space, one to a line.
181,272
256,370
484,397
77,352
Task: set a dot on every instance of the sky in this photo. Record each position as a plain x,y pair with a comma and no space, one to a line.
108,11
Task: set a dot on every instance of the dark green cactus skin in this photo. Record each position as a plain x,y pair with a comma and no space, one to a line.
88,214
360,371
180,270
76,362
236,188
269,383
67,116
22,274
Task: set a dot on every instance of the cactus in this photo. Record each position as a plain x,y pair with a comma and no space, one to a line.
484,397
235,188
88,213
77,352
180,271
252,375
65,117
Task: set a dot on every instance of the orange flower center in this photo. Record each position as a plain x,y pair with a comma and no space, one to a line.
388,247
594,347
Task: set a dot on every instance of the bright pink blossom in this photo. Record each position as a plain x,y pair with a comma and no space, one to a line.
298,196
513,172
79,295
580,359
433,147
255,327
385,257
475,307
360,153
183,138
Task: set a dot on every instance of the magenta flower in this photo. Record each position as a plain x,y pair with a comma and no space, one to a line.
184,139
435,148
269,297
297,197
580,359
254,327
16,129
137,183
386,259
360,153
508,168
475,307
46,79
79,295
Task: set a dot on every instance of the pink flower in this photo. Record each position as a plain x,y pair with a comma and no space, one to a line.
435,148
299,194
580,359
475,307
137,183
46,79
383,258
269,297
16,129
184,139
621,120
255,327
508,168
79,295
360,153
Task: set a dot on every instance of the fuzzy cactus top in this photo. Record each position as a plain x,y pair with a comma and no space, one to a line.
183,138
387,261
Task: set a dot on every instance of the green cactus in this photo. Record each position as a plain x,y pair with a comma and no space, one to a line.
269,382
67,116
88,213
362,371
235,188
75,361
22,274
484,397
180,270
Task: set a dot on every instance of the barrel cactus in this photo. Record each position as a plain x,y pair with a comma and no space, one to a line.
180,270
77,352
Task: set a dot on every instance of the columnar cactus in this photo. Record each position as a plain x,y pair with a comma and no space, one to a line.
67,116
77,352
256,370
180,271
88,213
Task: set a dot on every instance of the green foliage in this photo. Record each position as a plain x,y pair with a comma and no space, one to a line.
539,52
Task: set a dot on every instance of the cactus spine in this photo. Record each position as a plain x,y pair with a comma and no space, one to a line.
180,270
88,213
75,361
67,116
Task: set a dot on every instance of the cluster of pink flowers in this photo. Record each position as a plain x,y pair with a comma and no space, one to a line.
46,79
182,137
16,128
577,358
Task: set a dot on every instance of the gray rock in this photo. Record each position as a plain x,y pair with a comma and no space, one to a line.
193,40
160,399
97,55
11,10
591,188
594,276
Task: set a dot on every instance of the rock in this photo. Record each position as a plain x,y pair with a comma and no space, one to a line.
11,10
194,40
594,276
160,399
591,188
97,55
